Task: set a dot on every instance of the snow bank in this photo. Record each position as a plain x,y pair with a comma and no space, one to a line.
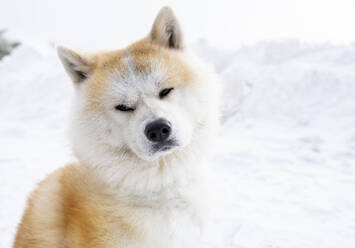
287,79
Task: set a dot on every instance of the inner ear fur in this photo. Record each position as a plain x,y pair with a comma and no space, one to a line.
166,30
77,66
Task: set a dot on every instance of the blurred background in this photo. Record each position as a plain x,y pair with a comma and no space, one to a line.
107,23
284,164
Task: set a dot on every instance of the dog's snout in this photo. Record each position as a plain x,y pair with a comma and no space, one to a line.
158,131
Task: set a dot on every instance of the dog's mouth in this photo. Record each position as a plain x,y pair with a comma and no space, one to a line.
164,146
157,150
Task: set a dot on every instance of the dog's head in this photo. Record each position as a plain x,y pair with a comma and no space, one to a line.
147,100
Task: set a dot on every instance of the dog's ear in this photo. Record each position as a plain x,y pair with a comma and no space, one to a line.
166,30
77,66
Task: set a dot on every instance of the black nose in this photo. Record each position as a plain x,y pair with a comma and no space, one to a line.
158,130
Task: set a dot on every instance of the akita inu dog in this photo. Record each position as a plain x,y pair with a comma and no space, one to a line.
143,118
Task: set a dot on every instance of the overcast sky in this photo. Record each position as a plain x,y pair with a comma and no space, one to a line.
224,23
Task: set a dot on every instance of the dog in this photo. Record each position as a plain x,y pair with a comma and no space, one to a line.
143,123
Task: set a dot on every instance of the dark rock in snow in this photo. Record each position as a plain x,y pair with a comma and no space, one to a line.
6,46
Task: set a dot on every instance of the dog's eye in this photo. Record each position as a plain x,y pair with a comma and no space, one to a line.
124,108
165,92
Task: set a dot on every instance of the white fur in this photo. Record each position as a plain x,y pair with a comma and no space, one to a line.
113,143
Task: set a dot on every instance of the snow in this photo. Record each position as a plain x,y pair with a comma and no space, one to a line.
284,168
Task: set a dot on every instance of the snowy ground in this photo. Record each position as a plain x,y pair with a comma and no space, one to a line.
285,163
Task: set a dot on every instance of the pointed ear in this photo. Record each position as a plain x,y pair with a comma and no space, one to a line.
78,67
166,30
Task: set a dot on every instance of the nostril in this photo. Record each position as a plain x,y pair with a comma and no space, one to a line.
152,136
165,130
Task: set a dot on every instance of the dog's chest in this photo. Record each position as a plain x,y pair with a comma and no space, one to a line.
164,220
174,225
149,213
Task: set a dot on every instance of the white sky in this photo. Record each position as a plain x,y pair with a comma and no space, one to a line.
224,23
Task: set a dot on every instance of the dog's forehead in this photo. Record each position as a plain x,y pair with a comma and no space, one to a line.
134,80
138,72
140,67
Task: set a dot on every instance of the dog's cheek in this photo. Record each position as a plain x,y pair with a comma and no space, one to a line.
192,102
109,128
133,137
130,136
183,126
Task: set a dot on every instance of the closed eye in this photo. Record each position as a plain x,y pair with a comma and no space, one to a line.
124,108
163,93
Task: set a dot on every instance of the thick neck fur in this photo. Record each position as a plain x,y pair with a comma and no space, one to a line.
150,182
